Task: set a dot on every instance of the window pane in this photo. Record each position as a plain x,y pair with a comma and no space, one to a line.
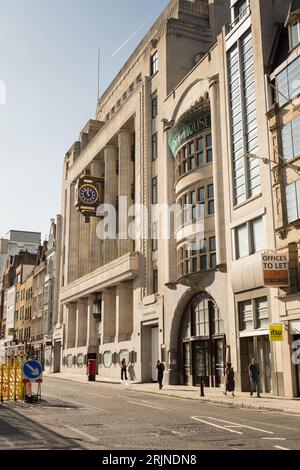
242,242
212,244
154,107
155,281
246,316
201,194
211,207
201,210
203,263
294,30
293,201
262,314
208,140
194,265
200,160
258,231
213,260
209,156
154,146
210,191
154,190
202,246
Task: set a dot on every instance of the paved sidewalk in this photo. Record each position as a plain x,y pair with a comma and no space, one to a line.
212,395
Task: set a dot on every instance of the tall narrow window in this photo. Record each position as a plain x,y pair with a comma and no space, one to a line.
154,236
154,63
240,8
294,31
291,139
154,146
243,119
288,82
154,106
211,202
293,201
155,281
154,190
246,316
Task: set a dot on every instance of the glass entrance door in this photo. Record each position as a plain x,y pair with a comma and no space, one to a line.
264,358
201,362
186,362
297,367
218,365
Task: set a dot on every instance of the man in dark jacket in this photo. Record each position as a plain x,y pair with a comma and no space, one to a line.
160,373
254,374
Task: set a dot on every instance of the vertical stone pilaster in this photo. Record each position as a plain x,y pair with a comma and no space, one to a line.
125,181
217,170
74,231
92,325
71,326
110,195
167,230
95,252
124,311
81,323
84,246
108,315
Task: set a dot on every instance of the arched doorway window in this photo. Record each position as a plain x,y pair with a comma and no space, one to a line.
202,342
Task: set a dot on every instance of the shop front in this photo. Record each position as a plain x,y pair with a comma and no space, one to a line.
253,320
295,334
202,343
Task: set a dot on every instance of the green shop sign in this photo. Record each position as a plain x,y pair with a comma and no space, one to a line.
187,128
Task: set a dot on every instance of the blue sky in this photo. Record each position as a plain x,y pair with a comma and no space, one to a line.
48,62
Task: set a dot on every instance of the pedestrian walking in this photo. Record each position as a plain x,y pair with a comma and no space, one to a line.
229,379
254,374
160,373
123,369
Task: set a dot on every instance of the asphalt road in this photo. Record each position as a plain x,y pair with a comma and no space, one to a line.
106,416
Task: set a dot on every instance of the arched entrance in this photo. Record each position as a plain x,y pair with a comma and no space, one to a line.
202,342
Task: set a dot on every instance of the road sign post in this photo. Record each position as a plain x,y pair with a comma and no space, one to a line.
33,373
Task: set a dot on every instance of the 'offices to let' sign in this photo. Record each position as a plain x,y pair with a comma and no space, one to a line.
275,270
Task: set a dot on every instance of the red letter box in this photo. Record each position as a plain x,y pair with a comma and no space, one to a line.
92,369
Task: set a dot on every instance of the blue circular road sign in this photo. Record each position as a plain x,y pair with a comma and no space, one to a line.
32,370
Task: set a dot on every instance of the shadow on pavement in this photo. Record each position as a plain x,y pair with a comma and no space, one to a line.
20,432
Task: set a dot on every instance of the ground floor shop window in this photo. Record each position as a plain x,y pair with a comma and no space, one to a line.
297,365
259,347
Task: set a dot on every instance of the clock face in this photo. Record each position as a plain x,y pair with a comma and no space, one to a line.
88,194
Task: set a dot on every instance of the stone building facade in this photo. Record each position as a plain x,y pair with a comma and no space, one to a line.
284,124
184,124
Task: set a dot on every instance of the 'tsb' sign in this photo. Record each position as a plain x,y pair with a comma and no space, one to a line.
276,332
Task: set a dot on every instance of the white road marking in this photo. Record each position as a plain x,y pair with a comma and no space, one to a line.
49,385
69,388
242,425
281,448
82,433
144,404
216,425
98,395
274,438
